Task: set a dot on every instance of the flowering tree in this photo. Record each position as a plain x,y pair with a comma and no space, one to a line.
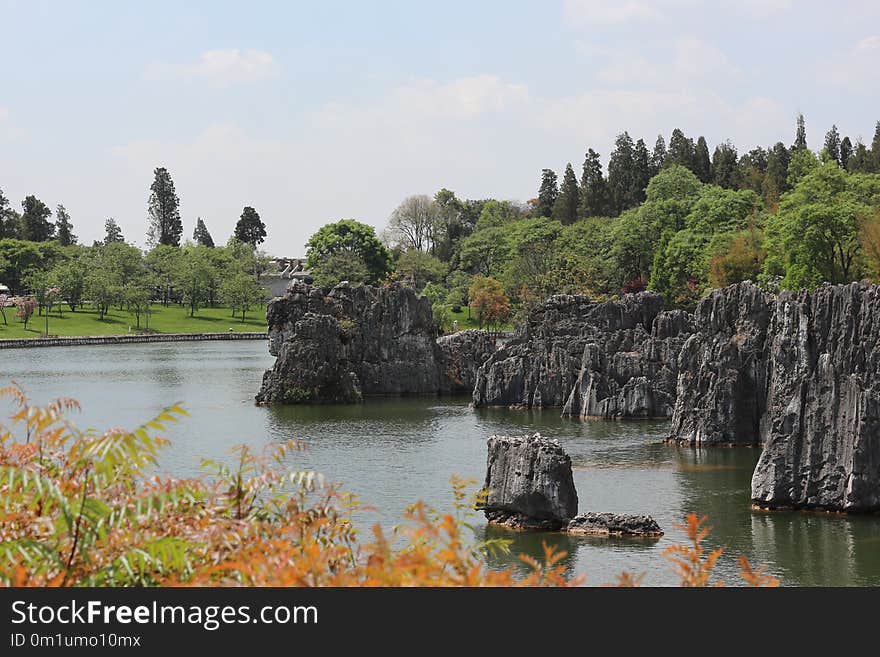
4,299
26,307
488,299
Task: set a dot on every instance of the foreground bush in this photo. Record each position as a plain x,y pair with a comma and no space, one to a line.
79,509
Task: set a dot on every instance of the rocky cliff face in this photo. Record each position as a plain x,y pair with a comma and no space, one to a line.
529,484
609,360
361,340
821,426
722,383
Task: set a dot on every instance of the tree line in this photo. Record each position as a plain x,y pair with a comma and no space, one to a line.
674,219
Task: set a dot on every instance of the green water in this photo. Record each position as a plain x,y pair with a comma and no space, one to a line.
392,452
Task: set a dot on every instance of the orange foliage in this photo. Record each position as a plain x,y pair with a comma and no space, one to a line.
79,509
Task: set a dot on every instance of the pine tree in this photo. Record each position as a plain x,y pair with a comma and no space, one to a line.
641,171
250,229
800,138
112,232
832,144
724,166
658,156
201,234
565,208
36,226
681,150
64,227
8,221
776,179
164,211
846,151
621,174
702,164
594,192
875,151
547,194
860,160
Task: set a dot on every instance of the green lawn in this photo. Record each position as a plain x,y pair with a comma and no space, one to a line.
170,319
472,323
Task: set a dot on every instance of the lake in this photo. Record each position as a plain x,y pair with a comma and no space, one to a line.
392,452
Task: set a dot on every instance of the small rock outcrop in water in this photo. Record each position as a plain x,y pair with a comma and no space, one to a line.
529,484
610,360
612,524
360,340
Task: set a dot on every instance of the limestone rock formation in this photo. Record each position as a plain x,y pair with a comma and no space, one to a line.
356,341
529,483
821,430
612,524
461,355
722,381
612,359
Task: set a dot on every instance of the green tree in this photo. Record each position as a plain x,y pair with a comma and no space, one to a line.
194,278
860,161
8,219
112,232
101,291
163,262
800,137
547,194
803,161
658,155
419,267
776,179
846,151
486,251
621,175
355,238
35,220
565,208
165,226
201,235
875,150
341,266
70,277
250,229
64,227
724,165
832,144
241,293
137,299
641,170
415,223
489,301
681,150
702,163
594,192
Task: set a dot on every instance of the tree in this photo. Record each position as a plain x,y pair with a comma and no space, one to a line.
241,293
869,238
621,174
70,277
419,268
163,262
681,150
25,307
594,193
194,278
486,251
860,160
800,137
565,208
7,227
641,170
112,232
489,301
776,179
702,164
352,237
803,161
832,144
547,194
101,291
875,150
250,229
201,235
415,224
165,226
36,226
4,301
63,227
341,266
846,151
137,300
724,165
658,155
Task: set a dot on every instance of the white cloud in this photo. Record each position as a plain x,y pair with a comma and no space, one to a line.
691,61
696,59
605,12
463,98
869,43
222,67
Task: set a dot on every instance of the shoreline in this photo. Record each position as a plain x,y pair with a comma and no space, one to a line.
28,343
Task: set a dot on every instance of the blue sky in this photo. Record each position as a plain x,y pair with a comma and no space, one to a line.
313,112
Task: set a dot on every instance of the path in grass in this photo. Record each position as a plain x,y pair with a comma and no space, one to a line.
170,319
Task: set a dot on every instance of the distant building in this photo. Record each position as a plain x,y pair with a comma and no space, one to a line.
285,270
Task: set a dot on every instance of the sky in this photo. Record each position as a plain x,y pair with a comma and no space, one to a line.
316,111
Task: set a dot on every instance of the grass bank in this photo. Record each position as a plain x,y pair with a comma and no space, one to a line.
170,319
